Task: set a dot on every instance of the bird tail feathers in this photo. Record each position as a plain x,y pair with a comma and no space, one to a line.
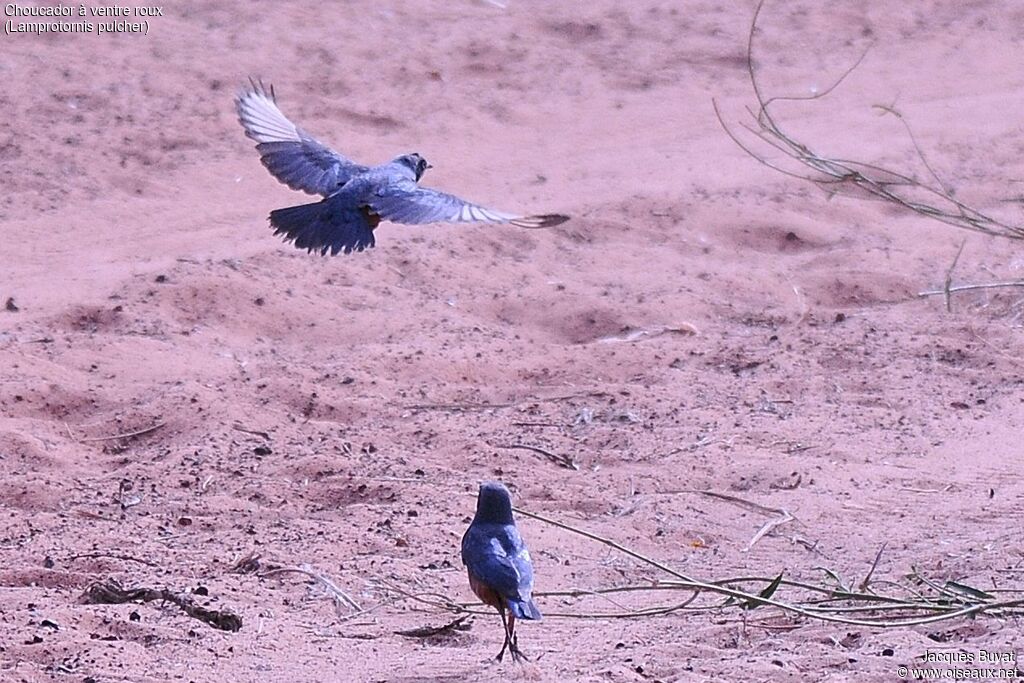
320,227
525,609
294,219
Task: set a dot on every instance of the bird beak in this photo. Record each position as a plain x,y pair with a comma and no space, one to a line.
429,165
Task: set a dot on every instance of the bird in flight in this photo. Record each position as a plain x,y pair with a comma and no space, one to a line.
356,198
498,563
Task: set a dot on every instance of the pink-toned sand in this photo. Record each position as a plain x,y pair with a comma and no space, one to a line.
151,291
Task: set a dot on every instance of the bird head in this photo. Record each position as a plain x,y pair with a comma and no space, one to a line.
415,163
493,504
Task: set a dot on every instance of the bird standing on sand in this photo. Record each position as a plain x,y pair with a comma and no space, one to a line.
500,571
356,198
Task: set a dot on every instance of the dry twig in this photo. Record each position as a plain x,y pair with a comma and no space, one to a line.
255,432
935,201
782,516
339,596
565,461
953,601
126,435
430,631
110,592
116,556
865,585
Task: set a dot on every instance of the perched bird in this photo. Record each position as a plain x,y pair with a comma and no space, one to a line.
356,197
498,563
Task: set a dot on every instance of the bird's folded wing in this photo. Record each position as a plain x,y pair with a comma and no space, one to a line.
288,152
495,571
403,201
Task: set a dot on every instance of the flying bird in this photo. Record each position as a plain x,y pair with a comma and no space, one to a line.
356,198
498,563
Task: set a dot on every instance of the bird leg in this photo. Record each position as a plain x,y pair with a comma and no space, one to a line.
508,635
513,641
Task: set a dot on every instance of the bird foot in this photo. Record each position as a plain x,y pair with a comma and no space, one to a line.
517,654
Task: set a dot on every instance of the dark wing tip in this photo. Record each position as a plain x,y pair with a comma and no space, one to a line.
257,87
550,220
547,220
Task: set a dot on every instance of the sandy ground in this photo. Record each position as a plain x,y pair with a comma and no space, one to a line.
340,412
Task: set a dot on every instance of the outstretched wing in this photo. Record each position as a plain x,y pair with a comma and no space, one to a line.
403,201
288,152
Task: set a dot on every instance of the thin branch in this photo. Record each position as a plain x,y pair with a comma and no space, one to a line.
741,597
263,435
116,556
742,502
866,583
970,288
834,174
565,461
949,277
771,524
340,597
110,592
126,435
431,631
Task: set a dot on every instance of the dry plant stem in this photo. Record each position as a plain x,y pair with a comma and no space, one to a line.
949,277
921,597
263,435
747,598
742,502
971,288
443,602
895,607
492,406
369,610
833,594
771,524
456,407
629,614
126,435
611,544
820,611
950,594
813,609
603,593
561,460
339,596
116,556
835,174
866,583
784,516
430,631
436,600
